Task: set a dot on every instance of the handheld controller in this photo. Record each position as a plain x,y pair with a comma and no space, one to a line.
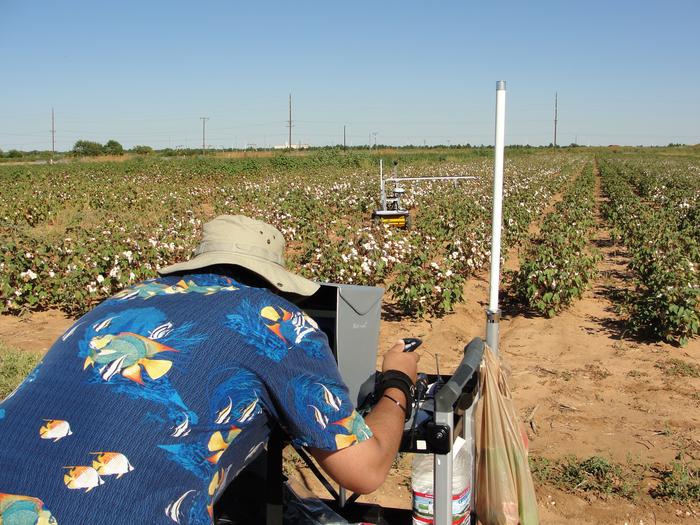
411,343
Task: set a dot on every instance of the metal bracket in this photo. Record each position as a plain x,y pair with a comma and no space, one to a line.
439,438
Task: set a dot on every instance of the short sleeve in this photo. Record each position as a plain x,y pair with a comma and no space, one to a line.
310,397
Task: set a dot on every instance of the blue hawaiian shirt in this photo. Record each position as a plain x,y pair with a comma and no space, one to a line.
150,404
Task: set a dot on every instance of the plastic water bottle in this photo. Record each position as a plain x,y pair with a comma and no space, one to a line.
422,485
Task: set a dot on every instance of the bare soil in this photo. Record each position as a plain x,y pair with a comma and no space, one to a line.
585,387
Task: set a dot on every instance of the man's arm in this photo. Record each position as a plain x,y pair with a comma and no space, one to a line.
363,467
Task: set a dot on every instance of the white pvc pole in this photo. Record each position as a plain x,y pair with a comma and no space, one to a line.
447,177
382,192
493,313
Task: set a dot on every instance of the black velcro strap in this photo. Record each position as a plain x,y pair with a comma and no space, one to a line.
397,379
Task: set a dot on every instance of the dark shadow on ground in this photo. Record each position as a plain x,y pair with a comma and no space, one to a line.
613,327
512,307
620,330
603,243
392,312
614,274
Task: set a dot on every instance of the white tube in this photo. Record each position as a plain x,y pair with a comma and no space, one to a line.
382,193
399,179
495,276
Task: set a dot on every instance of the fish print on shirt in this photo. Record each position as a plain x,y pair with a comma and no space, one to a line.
82,477
219,442
131,355
111,464
234,403
149,289
24,510
55,429
274,331
293,329
172,511
355,430
128,354
182,429
248,323
327,408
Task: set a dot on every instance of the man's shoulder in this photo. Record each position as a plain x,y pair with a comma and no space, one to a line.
220,293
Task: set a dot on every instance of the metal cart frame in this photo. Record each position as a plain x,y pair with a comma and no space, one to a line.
453,417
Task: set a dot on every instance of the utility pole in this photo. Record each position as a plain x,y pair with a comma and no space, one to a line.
344,143
555,119
290,121
53,136
204,127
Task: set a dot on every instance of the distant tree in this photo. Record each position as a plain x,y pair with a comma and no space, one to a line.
142,150
87,148
112,147
14,154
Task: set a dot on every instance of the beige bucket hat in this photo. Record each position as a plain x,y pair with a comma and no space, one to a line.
246,242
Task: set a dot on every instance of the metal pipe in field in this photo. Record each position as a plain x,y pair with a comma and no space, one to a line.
493,313
442,476
460,177
382,192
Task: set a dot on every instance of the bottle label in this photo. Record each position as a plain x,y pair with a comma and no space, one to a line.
423,505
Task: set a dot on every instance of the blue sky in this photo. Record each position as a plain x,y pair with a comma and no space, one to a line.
626,72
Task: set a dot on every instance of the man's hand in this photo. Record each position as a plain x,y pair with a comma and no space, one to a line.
397,359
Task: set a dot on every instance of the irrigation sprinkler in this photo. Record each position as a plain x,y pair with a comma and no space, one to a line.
493,314
391,210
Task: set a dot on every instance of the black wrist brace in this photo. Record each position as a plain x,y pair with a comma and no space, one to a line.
396,379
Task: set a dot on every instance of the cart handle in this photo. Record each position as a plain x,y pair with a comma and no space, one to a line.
446,398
